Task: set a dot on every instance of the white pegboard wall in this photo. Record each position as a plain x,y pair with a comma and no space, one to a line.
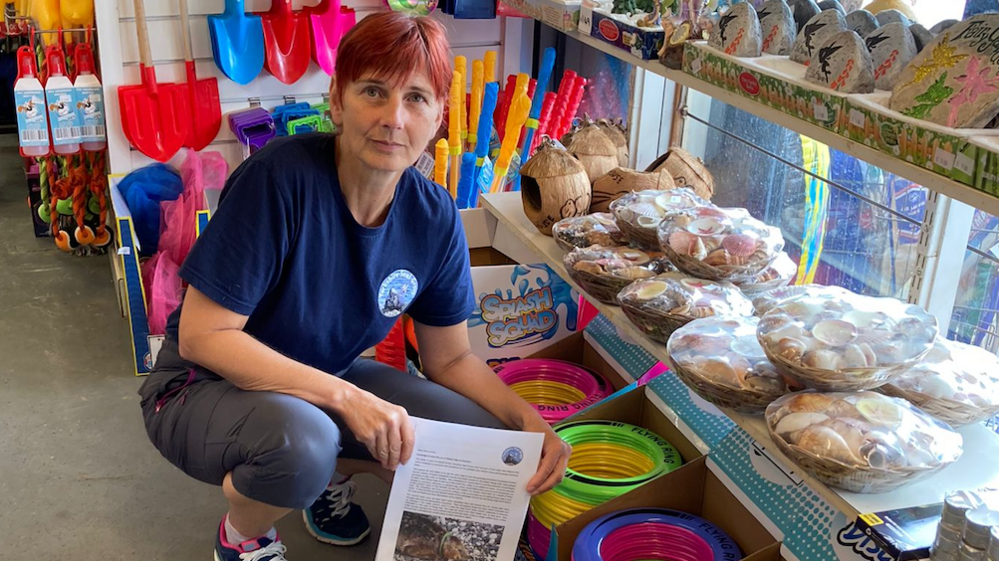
119,61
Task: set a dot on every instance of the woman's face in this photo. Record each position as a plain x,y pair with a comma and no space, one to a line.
386,126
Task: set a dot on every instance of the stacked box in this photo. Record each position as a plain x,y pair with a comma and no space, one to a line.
641,42
560,14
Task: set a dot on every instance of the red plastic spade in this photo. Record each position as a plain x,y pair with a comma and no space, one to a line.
206,109
287,41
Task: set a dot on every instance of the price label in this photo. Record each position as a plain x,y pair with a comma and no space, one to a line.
124,250
821,111
695,66
944,159
858,119
965,165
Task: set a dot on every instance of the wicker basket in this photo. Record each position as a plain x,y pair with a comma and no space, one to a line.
845,380
747,400
954,413
642,237
856,479
588,230
645,236
697,268
777,275
603,286
657,325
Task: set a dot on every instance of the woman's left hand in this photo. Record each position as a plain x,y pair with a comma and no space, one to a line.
554,459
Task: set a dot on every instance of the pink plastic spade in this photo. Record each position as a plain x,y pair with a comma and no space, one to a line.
330,22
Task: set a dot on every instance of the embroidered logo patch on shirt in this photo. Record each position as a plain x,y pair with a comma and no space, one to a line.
397,292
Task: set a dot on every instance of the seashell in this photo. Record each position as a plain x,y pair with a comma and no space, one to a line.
633,273
588,267
766,384
680,310
611,263
880,410
634,256
646,209
789,329
809,402
853,357
851,433
701,311
798,421
874,337
822,359
720,372
711,211
717,257
740,245
791,349
670,200
648,222
697,250
834,332
709,226
824,442
651,290
682,242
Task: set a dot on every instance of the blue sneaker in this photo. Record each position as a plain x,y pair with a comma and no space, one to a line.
260,549
333,519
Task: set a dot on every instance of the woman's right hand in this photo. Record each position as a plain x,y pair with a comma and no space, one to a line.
384,428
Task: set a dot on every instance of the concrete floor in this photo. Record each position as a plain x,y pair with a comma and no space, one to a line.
78,477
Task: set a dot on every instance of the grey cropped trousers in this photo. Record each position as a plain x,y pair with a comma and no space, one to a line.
280,449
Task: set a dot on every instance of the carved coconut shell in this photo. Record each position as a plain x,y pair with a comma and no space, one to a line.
620,181
615,132
594,149
687,171
553,186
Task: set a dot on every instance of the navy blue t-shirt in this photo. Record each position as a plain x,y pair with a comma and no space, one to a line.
284,249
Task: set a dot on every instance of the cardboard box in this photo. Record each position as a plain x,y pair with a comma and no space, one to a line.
693,489
947,151
576,349
560,14
639,41
773,81
987,168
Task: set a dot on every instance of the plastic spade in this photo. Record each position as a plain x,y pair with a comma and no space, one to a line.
237,42
203,95
330,22
287,43
153,115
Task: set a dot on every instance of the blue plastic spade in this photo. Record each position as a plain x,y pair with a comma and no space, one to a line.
237,42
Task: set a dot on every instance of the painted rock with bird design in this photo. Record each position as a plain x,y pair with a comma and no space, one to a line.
738,32
842,63
814,33
892,47
954,81
777,27
862,21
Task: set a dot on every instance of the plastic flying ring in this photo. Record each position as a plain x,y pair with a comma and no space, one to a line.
412,7
653,533
556,388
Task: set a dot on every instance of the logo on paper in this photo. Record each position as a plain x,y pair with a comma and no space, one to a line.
513,456
396,293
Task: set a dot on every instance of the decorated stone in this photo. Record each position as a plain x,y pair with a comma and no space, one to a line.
842,63
953,82
891,16
804,10
862,21
832,5
814,33
777,27
943,26
921,35
738,32
892,47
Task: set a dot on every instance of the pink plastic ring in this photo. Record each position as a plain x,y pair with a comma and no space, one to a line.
594,386
538,537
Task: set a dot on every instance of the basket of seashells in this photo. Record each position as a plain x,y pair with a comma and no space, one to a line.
777,275
863,442
598,228
716,243
721,360
639,213
831,339
603,271
955,382
661,305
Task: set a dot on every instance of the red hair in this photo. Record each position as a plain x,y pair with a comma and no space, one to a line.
392,46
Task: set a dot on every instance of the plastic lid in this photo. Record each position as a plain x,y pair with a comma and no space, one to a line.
26,62
978,524
956,504
56,60
84,58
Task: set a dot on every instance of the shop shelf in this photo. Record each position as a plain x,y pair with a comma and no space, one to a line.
975,469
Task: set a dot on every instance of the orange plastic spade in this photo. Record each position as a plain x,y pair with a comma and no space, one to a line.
206,109
154,116
287,41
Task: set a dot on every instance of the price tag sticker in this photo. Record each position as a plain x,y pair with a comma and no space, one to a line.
586,19
124,250
858,119
944,159
695,65
965,165
821,111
